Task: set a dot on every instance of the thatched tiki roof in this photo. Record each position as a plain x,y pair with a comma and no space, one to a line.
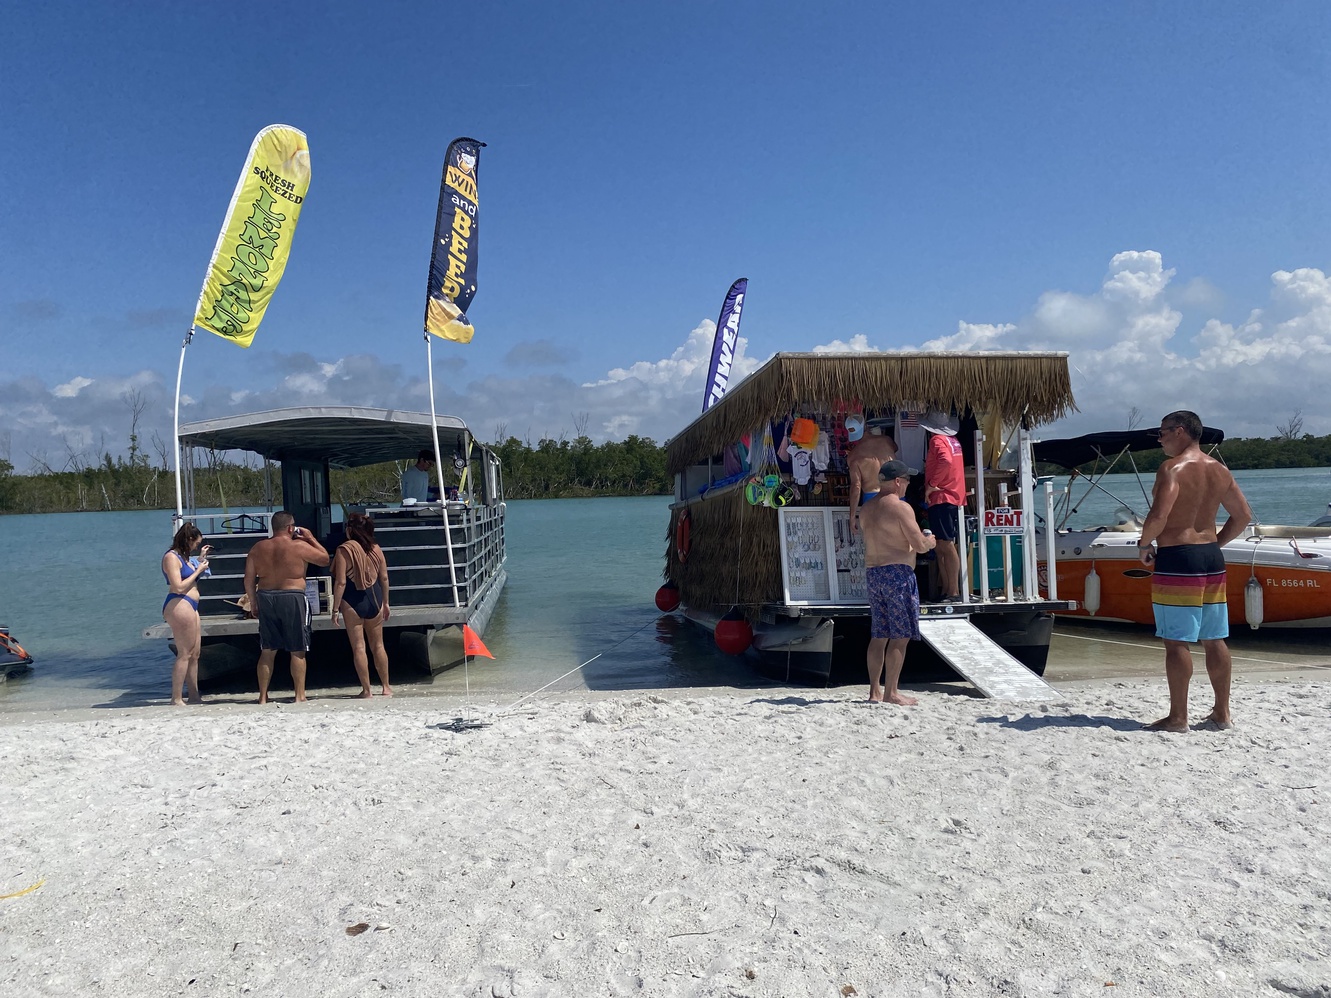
733,559
1009,383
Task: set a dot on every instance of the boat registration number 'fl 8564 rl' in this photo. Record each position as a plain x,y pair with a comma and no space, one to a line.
1295,583
1002,520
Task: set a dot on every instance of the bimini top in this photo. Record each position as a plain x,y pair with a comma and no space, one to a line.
344,436
1010,383
1073,452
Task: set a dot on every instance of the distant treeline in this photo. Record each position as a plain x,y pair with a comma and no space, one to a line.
1240,453
552,469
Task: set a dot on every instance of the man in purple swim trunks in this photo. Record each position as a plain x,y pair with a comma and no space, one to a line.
892,539
1188,585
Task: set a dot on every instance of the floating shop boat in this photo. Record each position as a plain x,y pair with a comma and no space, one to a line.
759,549
1276,575
446,559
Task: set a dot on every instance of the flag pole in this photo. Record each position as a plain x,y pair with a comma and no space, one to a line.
180,371
439,470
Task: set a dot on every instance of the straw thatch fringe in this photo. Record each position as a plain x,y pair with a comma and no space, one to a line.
1008,383
727,537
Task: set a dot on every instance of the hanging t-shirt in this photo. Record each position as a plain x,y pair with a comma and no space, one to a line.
910,436
801,464
781,436
821,451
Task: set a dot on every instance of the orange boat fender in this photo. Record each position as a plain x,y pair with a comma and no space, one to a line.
682,528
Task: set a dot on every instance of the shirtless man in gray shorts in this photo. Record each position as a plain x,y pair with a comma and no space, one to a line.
275,585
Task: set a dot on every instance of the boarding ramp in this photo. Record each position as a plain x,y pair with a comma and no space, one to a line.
976,656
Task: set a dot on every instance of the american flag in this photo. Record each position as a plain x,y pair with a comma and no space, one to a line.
909,420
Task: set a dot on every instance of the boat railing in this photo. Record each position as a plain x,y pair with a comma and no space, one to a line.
427,561
414,541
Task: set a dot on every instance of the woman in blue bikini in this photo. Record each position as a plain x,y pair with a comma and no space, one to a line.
181,609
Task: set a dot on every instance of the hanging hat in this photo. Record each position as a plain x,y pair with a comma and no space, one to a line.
854,428
938,422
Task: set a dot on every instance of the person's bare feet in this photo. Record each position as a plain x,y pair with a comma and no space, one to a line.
901,700
364,695
875,695
263,698
388,691
1224,723
300,699
1170,723
195,701
177,702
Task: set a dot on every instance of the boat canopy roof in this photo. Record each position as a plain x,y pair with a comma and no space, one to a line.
1037,384
344,436
1072,452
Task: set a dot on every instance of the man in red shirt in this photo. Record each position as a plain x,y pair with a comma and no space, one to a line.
945,492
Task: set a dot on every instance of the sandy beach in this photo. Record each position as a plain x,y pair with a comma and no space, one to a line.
771,842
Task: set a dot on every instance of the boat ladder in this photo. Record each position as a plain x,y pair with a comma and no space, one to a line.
976,656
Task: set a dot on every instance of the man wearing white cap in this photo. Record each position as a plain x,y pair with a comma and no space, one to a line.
864,458
945,492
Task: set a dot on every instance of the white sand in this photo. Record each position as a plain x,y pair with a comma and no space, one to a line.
789,842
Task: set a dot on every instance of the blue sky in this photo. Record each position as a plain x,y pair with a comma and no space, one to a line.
1140,184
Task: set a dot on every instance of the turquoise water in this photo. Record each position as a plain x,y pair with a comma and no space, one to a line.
1283,495
77,589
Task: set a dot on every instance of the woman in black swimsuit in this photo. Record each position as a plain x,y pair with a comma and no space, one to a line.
360,594
181,609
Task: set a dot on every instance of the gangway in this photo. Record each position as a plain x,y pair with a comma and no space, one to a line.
976,656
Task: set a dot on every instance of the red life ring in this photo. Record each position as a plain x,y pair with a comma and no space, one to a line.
682,528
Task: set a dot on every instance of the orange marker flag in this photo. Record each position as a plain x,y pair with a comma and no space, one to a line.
472,645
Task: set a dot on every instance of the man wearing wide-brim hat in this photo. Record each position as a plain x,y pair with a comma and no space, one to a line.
945,494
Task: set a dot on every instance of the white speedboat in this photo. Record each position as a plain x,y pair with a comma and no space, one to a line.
1277,576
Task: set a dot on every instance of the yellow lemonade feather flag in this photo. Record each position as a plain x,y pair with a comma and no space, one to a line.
255,240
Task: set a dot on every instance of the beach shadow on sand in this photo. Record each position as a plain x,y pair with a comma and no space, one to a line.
1031,722
794,701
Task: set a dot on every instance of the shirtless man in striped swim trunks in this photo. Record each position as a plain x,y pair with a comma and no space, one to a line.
1180,545
892,539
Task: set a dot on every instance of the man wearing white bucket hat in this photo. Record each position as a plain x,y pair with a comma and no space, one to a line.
865,457
945,492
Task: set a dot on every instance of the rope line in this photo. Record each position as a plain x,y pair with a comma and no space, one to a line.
528,696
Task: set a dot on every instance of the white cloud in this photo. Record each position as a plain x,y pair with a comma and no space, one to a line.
859,343
1136,276
71,388
1128,346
